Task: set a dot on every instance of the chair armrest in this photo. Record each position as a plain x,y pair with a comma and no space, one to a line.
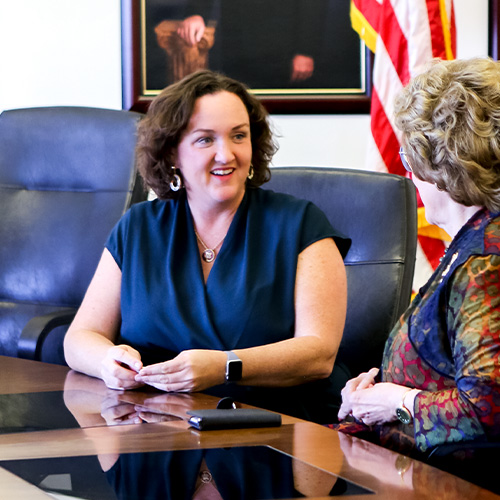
36,330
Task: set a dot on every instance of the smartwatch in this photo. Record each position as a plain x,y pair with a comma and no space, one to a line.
234,367
403,413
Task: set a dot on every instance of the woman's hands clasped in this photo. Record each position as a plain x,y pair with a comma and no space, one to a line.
369,402
190,371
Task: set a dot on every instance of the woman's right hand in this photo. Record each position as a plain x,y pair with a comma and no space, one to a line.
192,30
120,366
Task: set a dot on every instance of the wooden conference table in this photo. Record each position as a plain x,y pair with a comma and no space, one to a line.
56,425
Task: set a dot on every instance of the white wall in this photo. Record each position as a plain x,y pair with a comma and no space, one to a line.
67,52
60,52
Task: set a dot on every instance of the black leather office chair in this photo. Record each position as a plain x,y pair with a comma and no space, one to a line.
379,213
66,176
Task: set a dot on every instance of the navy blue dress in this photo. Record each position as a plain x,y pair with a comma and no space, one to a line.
248,299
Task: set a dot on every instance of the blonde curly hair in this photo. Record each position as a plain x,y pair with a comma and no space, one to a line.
450,119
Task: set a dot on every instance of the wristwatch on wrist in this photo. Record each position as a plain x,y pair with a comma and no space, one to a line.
403,413
234,367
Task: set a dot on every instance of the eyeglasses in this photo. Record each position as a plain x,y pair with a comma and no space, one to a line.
404,160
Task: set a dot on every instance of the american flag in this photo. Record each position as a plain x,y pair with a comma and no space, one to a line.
404,35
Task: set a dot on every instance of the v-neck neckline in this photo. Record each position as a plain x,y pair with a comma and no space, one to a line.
226,242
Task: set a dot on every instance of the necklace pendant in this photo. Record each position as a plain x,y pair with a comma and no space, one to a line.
208,255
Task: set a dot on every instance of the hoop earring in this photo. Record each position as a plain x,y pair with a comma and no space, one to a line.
176,182
250,173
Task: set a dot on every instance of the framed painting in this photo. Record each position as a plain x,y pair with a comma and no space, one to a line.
297,56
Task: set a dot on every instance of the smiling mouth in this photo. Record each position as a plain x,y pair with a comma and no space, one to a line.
222,172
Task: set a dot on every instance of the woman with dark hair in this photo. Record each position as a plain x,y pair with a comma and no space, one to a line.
158,141
440,375
216,280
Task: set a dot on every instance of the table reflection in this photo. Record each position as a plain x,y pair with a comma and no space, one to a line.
34,411
221,473
87,402
407,474
93,404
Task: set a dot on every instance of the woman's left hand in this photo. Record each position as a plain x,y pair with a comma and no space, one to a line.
374,405
189,371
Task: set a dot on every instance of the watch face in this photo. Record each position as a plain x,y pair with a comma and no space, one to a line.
234,370
404,415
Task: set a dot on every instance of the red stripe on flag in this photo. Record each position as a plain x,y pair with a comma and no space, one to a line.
395,42
384,136
436,26
371,10
453,31
432,248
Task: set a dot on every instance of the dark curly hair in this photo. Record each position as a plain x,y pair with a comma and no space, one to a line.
450,119
160,132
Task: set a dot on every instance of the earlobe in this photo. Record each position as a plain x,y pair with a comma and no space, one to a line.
173,159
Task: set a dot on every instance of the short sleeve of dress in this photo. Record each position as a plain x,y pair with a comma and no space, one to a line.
116,239
316,227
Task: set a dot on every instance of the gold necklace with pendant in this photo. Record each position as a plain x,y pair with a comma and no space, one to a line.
209,254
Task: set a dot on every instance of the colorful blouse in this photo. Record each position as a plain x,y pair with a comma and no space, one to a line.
448,342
